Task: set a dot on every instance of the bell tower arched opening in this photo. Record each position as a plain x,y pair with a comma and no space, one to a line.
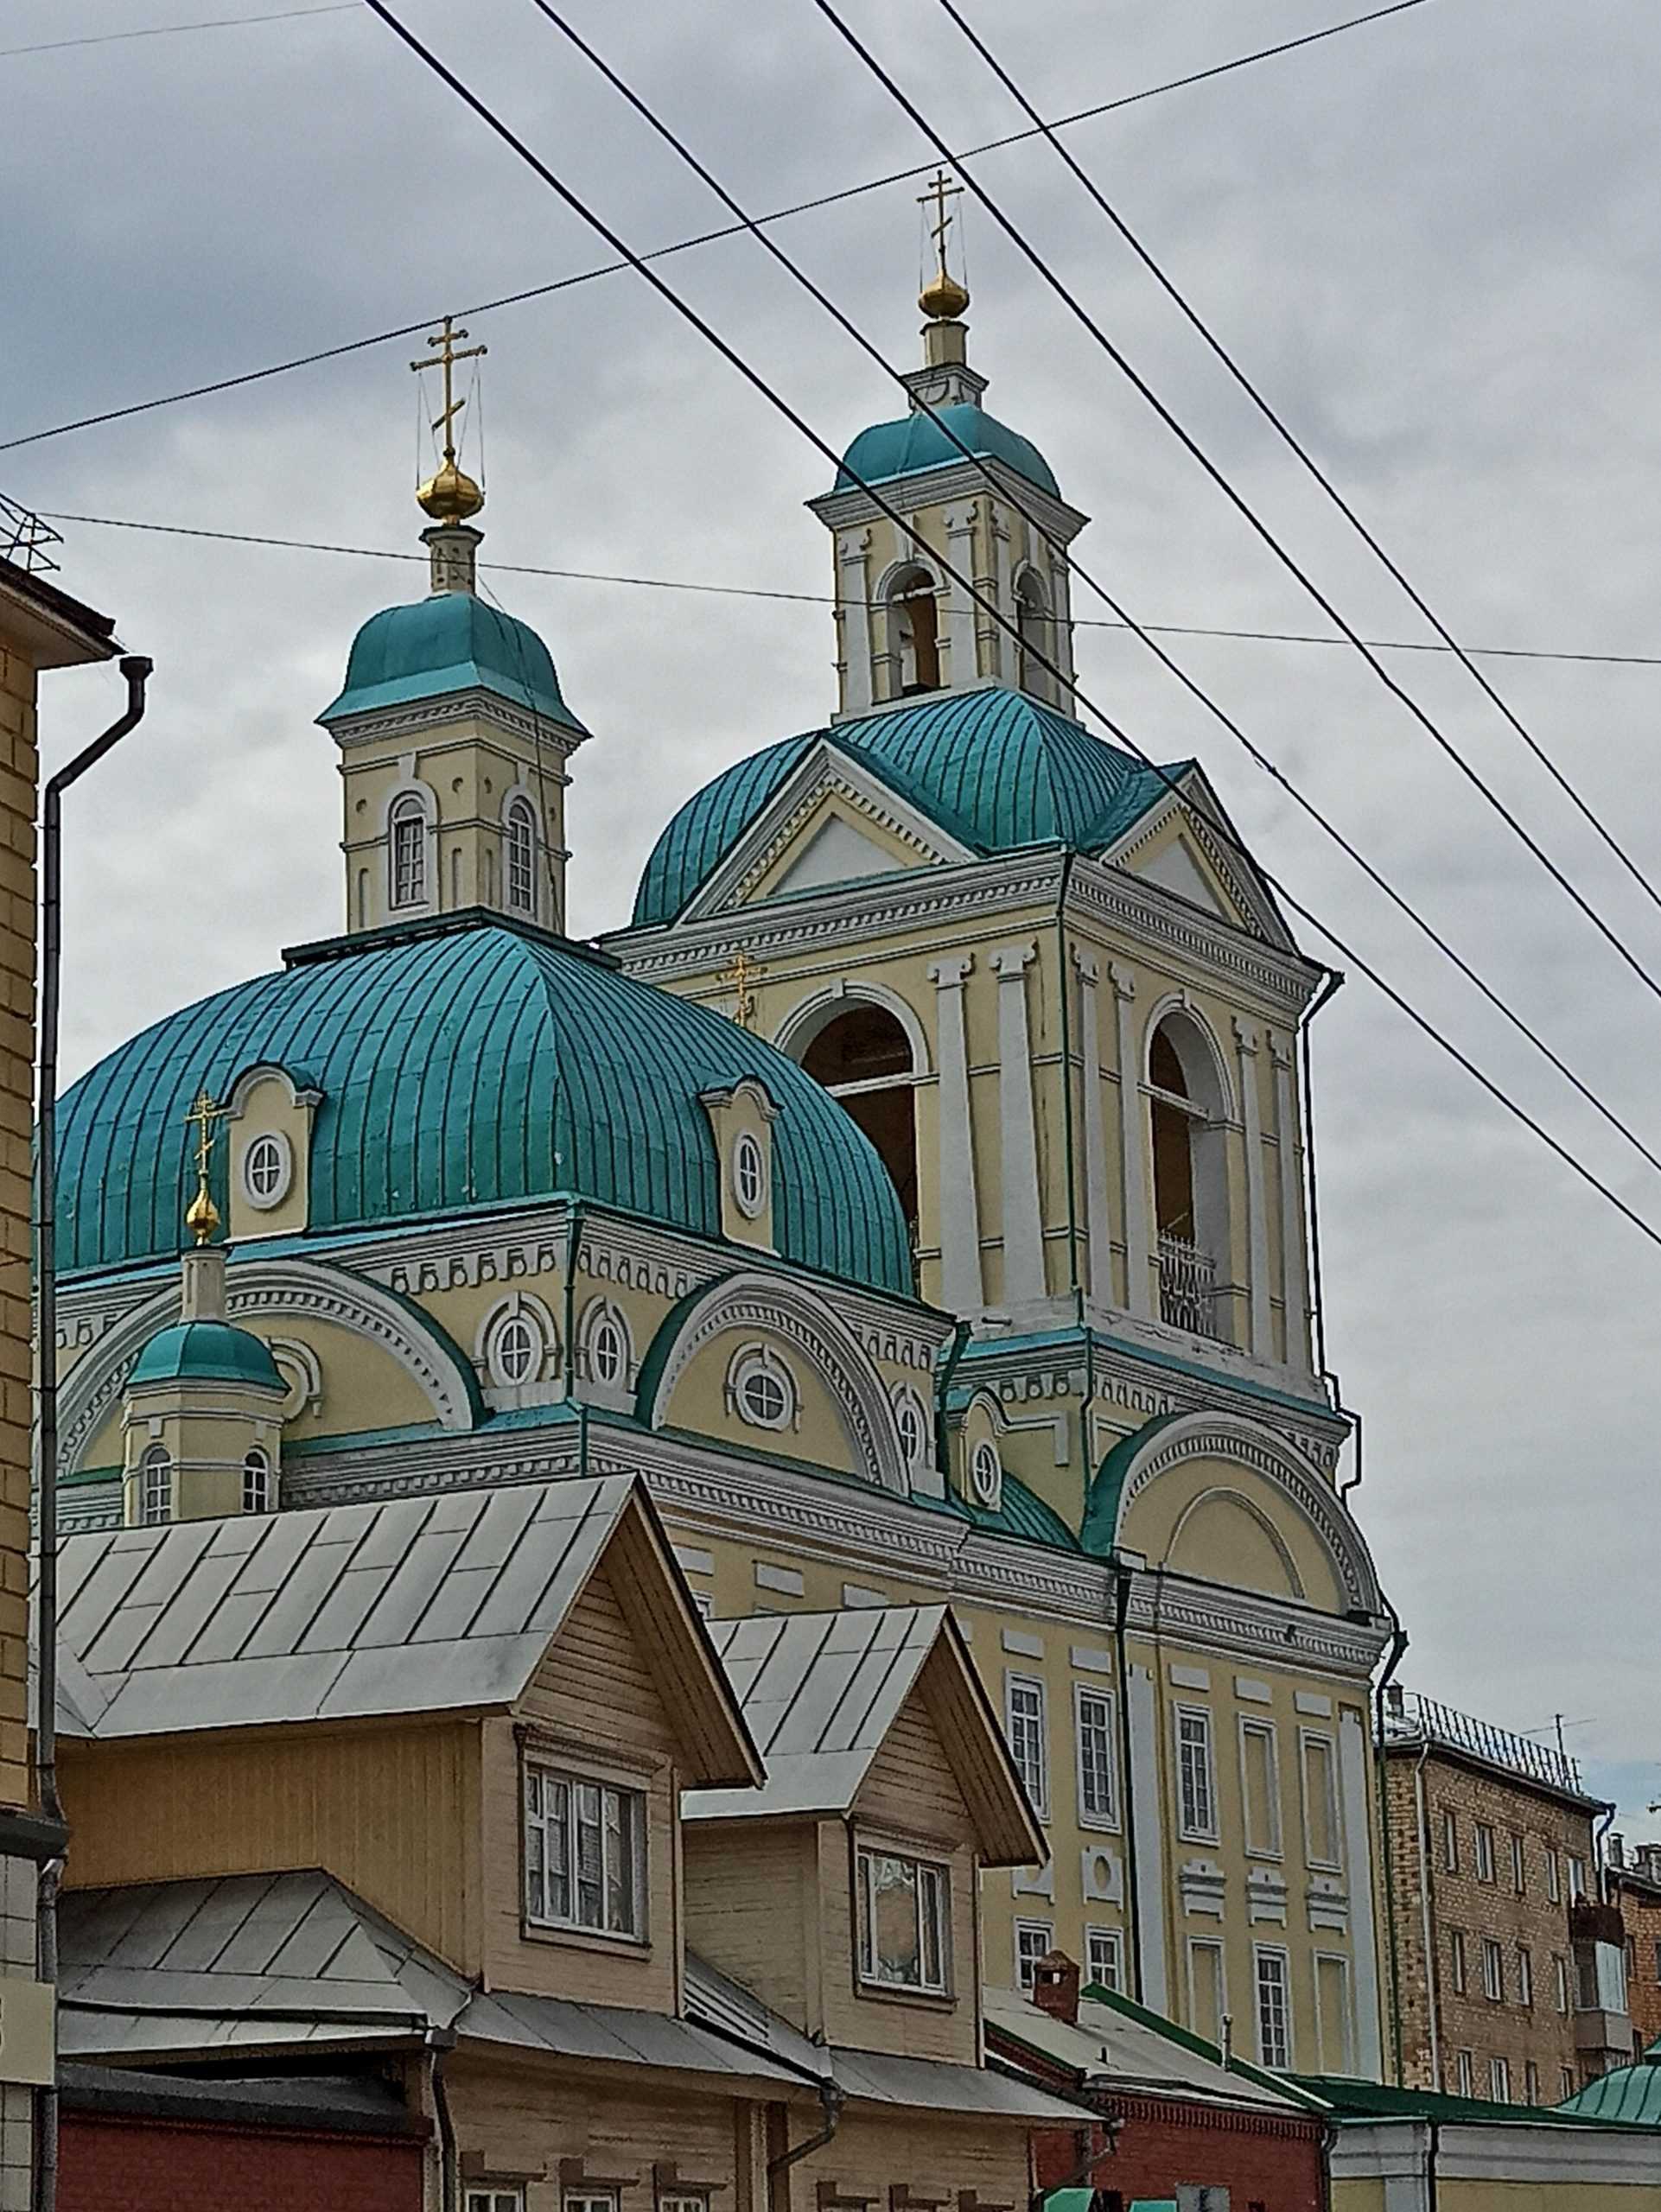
1034,628
863,1057
1188,1115
914,622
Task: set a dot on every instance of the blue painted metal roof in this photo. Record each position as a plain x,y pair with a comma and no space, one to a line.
463,1068
919,441
207,1351
451,642
994,768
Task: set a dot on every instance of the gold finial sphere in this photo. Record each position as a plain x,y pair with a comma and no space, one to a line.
202,1217
943,299
451,495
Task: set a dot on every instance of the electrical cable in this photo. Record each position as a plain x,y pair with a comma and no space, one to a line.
1237,499
690,315
167,30
648,115
703,238
1277,421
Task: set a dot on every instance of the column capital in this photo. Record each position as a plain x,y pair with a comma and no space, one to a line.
1123,978
1090,968
1280,1047
1245,1037
1011,961
948,975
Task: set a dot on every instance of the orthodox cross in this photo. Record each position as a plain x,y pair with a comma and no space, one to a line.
447,359
203,1218
741,976
939,191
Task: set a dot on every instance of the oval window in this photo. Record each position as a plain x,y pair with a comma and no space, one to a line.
750,1175
911,1423
985,1473
516,1349
267,1169
763,1392
608,1356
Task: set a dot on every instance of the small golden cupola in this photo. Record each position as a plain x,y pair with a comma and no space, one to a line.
202,1424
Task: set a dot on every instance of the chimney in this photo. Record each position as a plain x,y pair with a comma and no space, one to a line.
1617,1849
1055,1986
1395,1700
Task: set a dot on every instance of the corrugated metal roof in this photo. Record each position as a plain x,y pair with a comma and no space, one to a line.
1110,2045
412,1605
727,2006
819,1692
936,2085
1626,2092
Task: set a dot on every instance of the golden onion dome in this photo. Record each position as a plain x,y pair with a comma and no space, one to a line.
944,299
450,496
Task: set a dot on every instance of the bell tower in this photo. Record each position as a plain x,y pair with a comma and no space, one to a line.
976,495
454,739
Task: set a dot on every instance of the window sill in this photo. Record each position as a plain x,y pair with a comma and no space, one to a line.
584,1939
935,2000
1098,1824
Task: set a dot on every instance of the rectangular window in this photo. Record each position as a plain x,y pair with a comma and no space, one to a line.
1566,2080
1560,1978
1499,2080
1554,1876
1450,1841
1332,2012
1465,2073
1524,1977
1207,1989
904,1924
1577,1880
584,1854
1033,1939
495,2200
1323,1844
581,2200
1273,2008
1025,1726
1493,1972
1260,1788
1196,1775
1105,1957
1098,1795
1456,1967
1483,1839
1519,1878
1530,2082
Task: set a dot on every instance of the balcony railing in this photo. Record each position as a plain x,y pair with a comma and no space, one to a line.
1421,1717
1187,1287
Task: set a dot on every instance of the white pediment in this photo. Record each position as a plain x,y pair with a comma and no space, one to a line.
1176,869
835,853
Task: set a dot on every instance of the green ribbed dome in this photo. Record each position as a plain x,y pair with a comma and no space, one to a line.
994,768
461,1069
451,642
919,441
207,1351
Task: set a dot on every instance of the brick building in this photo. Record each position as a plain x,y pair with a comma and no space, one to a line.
1506,1982
1632,1881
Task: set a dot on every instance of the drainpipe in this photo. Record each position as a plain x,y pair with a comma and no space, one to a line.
960,1336
1132,1885
440,2044
1354,1420
574,1241
1431,1960
1334,978
1381,1784
831,2104
1433,2151
1067,1136
136,670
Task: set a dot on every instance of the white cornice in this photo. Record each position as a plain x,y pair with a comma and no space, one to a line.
983,478
474,704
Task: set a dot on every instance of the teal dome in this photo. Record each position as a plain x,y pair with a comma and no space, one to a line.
994,768
451,642
207,1351
919,441
464,1069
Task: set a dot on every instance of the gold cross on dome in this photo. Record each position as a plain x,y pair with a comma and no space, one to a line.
203,1216
740,975
939,191
447,359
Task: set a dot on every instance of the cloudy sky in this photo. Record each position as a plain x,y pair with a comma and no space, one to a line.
1432,241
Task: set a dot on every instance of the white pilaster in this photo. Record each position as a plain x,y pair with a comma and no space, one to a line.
1138,1288
1000,645
1294,1282
961,1287
1023,1225
1096,1209
1262,1329
853,598
960,669
1352,1752
1148,1839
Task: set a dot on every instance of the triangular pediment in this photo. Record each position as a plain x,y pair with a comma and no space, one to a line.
1187,845
831,821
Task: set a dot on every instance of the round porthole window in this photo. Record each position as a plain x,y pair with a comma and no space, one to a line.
910,1421
985,1473
750,1175
763,1392
267,1169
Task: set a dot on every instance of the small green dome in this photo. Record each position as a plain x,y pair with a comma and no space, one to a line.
919,441
207,1351
451,642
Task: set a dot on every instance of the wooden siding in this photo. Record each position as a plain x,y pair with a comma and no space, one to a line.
751,1909
391,1812
911,1786
933,2154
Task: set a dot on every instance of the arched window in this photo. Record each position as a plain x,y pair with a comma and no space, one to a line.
1034,628
863,1057
608,1346
1187,1110
257,1492
406,827
762,1390
521,845
911,1421
516,1349
914,631
156,1487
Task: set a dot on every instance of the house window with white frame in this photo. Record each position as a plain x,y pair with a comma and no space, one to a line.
156,1487
1449,1841
1274,1974
1105,1957
1499,2080
1525,1976
683,2199
1560,1980
1566,2080
584,1854
1196,1775
587,2200
1099,1806
1026,1728
1577,1888
1530,2082
1465,2073
406,830
1033,1938
1260,1788
510,2198
1323,1838
521,842
258,1489
1484,1835
1494,1971
1553,1877
905,1923
1458,1974
1519,1872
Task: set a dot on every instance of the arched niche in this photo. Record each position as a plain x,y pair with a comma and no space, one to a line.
868,1048
1188,1109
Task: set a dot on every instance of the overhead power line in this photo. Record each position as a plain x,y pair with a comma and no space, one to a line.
1290,438
572,200
703,237
825,598
169,30
948,429
1236,499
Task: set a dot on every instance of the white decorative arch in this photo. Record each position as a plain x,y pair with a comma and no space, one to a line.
1180,1002
397,801
775,1305
908,564
522,794
300,1094
820,1008
1253,1512
541,1316
275,1288
1252,1446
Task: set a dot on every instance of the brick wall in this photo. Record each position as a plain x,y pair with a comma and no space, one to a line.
1640,1908
1164,2146
19,774
1482,1912
112,2163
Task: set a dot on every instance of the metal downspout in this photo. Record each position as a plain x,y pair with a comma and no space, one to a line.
1431,1960
1381,1787
1132,1884
1433,2152
574,1243
440,2044
136,670
1334,978
831,2101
